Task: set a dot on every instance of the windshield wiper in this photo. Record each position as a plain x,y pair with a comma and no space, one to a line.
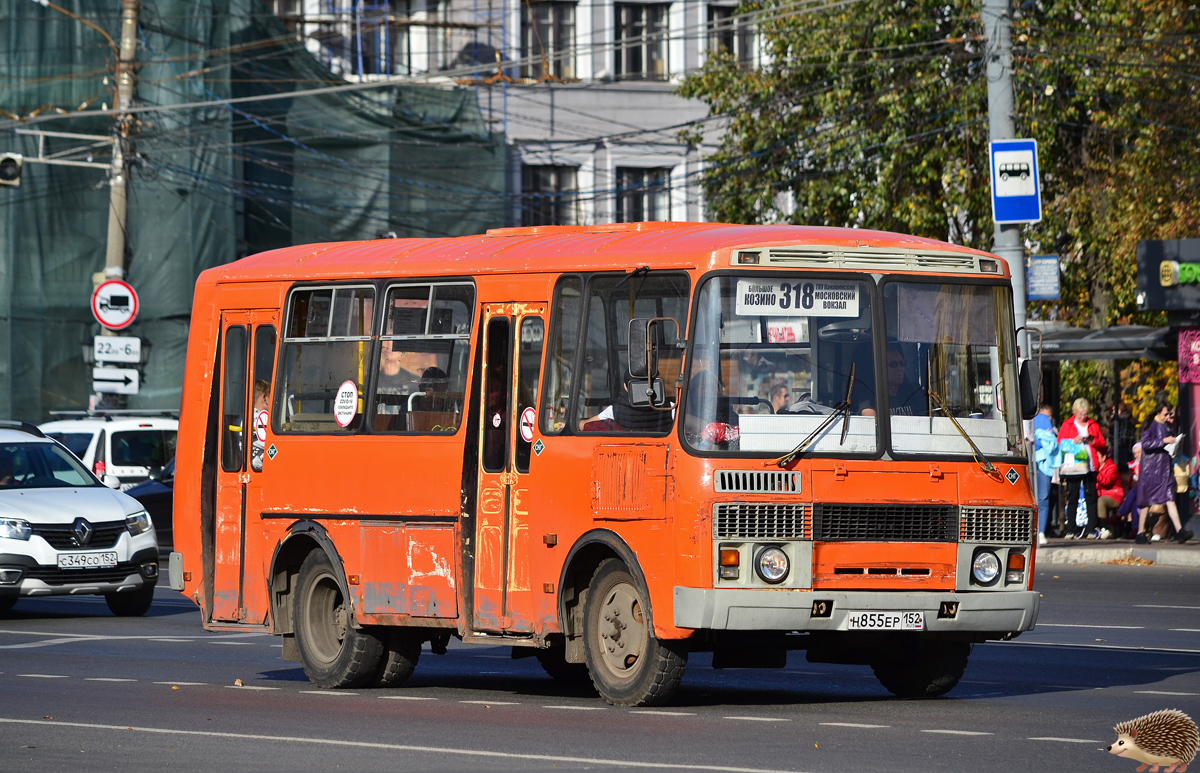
840,411
980,459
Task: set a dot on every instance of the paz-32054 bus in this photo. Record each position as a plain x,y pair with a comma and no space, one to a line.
613,445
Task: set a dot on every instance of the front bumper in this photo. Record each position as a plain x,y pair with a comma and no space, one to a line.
735,609
42,580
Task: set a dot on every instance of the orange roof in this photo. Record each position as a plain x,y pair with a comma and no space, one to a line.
552,248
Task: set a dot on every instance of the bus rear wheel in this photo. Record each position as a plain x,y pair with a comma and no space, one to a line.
926,670
554,661
401,650
333,652
627,664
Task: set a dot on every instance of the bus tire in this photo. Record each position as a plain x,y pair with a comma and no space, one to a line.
401,650
554,662
333,652
627,664
134,603
930,669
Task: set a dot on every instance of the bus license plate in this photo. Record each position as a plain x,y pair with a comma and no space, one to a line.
87,560
886,621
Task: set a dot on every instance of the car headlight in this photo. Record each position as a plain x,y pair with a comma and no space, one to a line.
772,565
138,523
986,567
14,528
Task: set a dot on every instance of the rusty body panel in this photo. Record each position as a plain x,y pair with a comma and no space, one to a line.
428,533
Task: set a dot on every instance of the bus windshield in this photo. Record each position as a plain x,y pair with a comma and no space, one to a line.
774,357
950,353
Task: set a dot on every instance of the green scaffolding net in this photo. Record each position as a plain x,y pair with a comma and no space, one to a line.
244,142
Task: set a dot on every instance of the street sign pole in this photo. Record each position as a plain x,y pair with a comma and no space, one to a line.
1006,242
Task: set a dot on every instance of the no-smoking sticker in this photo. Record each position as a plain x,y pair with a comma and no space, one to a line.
260,425
528,419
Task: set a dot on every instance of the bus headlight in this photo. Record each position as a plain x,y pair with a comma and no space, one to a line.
14,528
138,523
985,568
772,565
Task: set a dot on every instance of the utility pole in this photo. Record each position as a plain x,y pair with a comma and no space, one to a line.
114,263
997,26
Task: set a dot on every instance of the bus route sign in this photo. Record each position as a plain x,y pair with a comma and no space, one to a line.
1016,187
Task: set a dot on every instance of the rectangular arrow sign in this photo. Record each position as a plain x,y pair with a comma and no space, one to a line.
118,381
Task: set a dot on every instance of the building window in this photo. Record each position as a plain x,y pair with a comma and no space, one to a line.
548,40
641,42
643,194
731,32
441,46
549,195
289,12
399,44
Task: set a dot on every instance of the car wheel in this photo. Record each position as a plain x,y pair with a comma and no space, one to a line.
333,652
133,603
627,664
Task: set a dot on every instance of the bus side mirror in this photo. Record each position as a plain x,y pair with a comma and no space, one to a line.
647,337
1030,386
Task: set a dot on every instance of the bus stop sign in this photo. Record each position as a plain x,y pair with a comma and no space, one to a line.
1016,185
115,304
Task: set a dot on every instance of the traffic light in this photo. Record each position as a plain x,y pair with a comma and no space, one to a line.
10,168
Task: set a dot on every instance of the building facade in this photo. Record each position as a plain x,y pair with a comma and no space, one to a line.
582,91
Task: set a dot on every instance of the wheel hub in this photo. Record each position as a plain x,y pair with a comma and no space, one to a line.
623,631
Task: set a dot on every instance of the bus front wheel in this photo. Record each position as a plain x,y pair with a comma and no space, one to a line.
926,670
333,652
627,664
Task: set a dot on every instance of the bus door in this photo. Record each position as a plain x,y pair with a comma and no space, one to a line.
512,356
247,371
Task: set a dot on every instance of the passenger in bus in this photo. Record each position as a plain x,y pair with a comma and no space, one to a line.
904,398
781,398
262,399
435,391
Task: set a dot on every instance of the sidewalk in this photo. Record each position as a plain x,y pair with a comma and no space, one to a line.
1095,551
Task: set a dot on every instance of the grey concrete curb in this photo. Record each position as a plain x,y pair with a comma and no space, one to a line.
1099,554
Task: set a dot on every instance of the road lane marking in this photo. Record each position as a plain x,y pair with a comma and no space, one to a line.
407,698
249,687
759,719
1185,630
493,703
232,642
578,708
1163,692
95,636
399,747
1095,646
664,713
854,724
315,692
107,679
1064,740
174,640
1162,606
1073,625
957,732
45,676
185,684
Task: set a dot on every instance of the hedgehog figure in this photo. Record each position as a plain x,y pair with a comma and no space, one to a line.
1166,737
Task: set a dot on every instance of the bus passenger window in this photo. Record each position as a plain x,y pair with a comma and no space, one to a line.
560,355
326,353
424,353
604,401
496,395
529,367
233,424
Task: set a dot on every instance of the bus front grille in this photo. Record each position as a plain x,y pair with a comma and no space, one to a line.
761,520
885,523
997,524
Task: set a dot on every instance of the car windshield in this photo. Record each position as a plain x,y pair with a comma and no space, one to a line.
143,447
949,353
40,465
774,358
76,442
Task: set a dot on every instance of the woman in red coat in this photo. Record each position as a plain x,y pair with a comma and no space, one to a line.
1082,438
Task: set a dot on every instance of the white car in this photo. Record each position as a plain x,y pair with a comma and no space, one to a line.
64,533
121,447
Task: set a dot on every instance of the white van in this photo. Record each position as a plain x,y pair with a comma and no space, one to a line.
120,447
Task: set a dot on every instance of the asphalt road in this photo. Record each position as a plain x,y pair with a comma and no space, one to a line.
83,690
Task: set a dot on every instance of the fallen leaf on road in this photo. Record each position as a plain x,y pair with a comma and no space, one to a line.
47,717
1131,561
237,682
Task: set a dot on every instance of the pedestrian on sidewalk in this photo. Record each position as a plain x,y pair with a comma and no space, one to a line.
1156,479
1110,493
1047,458
1079,438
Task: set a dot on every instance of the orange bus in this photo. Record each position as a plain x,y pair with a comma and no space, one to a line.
613,446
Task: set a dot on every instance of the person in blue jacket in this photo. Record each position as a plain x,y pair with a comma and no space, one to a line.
1048,457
